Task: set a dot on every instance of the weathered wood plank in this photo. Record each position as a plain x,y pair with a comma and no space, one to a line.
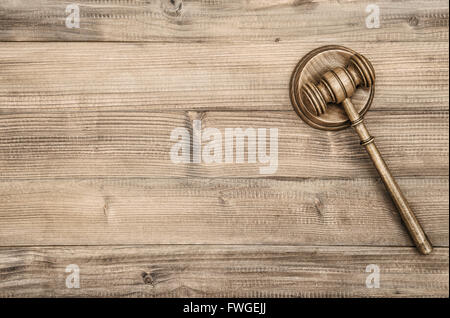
140,77
105,144
224,21
237,271
85,141
216,211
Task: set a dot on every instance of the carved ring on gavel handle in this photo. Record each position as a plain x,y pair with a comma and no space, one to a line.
336,86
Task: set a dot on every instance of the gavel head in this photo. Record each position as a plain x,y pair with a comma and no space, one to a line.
338,84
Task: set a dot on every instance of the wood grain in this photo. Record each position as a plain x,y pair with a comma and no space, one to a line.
223,21
86,177
217,211
140,77
82,144
237,271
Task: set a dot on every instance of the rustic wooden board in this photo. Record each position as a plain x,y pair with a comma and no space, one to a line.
223,21
217,211
36,77
236,271
86,177
47,145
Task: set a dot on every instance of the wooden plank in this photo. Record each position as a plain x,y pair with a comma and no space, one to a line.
86,177
237,271
217,211
224,21
106,144
140,77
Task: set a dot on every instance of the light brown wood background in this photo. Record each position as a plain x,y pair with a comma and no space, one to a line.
86,178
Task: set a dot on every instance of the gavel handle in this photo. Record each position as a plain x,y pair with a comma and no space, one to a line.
409,219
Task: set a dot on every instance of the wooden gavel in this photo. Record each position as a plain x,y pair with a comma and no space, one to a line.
337,86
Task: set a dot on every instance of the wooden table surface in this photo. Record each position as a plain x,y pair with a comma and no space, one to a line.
86,178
